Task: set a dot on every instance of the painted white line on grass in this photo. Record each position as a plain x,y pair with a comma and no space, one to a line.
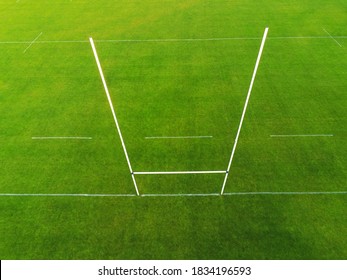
44,42
177,137
245,107
179,172
284,193
32,42
302,135
170,195
113,112
61,137
173,40
245,194
213,39
332,37
67,195
303,37
62,41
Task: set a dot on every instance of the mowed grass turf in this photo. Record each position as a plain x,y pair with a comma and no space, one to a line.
51,87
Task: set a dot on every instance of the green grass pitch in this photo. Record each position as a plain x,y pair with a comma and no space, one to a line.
50,86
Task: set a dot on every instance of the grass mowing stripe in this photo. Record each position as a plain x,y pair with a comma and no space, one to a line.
113,112
245,107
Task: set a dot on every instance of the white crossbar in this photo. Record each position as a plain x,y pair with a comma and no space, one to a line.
179,172
179,137
180,194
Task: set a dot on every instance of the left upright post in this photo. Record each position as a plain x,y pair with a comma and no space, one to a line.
113,112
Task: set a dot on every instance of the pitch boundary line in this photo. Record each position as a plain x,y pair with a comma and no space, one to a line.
245,107
32,42
171,40
172,195
113,112
332,37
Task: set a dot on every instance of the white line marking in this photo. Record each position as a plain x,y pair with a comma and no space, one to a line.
61,137
177,137
245,107
332,37
303,37
45,42
170,195
179,172
174,40
32,42
245,193
67,194
113,112
303,135
284,193
213,39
